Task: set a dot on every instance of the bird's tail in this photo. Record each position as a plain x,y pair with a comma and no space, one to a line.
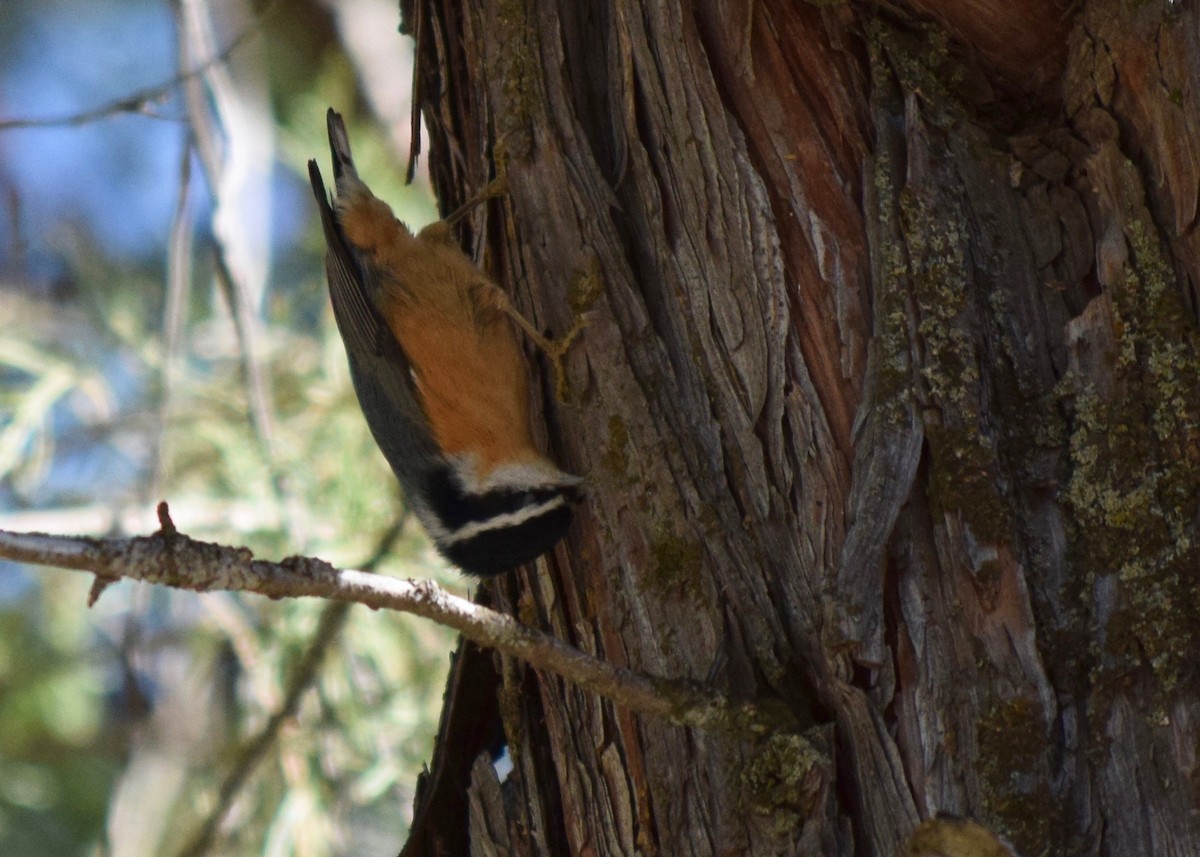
339,147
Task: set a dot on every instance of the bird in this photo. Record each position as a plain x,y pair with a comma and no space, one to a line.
440,376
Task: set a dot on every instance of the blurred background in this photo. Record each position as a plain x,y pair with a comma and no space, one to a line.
165,335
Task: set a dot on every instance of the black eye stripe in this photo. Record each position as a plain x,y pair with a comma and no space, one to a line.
493,551
456,508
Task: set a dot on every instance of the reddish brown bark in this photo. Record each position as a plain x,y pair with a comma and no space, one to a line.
888,409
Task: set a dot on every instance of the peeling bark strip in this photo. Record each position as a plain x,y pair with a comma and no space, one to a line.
889,409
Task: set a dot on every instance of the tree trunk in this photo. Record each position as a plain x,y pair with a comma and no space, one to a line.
888,407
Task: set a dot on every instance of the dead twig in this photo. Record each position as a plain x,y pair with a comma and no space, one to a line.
173,559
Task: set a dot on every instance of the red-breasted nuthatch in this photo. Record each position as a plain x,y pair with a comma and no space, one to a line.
440,378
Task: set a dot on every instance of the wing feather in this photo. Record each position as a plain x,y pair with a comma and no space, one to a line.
379,368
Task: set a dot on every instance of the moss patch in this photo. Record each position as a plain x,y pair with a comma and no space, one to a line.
923,313
781,780
963,457
614,458
520,78
1016,794
675,564
1135,488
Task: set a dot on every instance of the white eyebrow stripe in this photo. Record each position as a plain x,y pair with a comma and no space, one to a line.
499,522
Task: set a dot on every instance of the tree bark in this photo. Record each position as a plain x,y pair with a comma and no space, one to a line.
888,407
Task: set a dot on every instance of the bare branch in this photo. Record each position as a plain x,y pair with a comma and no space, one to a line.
173,559
142,101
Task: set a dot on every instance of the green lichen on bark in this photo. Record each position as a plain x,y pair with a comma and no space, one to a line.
780,779
675,561
615,459
892,389
675,565
1016,794
923,64
519,76
1135,487
922,269
963,457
